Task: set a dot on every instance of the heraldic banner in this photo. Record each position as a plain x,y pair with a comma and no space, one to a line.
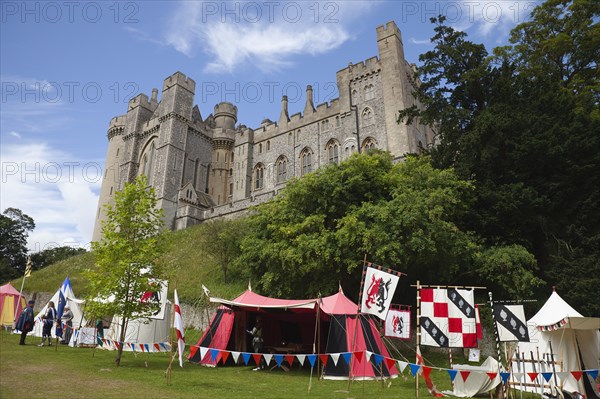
378,292
511,323
448,318
397,324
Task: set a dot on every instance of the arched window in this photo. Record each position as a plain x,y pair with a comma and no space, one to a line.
259,172
306,161
281,166
369,92
368,144
268,145
367,116
337,121
260,148
333,151
147,162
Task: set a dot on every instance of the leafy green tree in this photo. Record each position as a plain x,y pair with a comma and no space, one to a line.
126,268
49,256
522,125
14,230
223,241
317,231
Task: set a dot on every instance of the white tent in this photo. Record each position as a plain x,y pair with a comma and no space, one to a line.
574,340
153,332
64,296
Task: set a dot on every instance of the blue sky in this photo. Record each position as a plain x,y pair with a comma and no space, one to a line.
67,68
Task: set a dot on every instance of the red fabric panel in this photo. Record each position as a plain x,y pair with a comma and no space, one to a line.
221,337
454,325
427,295
440,309
470,340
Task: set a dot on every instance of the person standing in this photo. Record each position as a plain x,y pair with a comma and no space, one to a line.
26,321
257,342
49,318
67,323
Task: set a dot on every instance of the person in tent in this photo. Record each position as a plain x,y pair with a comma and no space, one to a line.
49,318
257,341
67,322
26,321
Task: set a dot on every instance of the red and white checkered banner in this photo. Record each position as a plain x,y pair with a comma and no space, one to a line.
448,318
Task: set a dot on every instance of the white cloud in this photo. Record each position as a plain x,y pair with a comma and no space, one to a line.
417,41
235,33
15,134
55,188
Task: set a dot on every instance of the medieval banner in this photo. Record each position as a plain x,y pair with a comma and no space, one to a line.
397,324
511,323
158,296
378,292
448,318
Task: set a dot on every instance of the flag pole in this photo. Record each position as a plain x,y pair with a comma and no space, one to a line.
497,336
169,371
362,283
418,333
26,274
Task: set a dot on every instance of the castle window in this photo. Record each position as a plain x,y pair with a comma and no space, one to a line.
118,151
147,162
232,154
289,138
337,121
230,172
217,156
259,172
111,189
333,151
298,135
306,161
367,116
260,148
355,94
281,169
369,92
230,188
368,144
268,145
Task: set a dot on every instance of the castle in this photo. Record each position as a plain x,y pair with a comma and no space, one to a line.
207,168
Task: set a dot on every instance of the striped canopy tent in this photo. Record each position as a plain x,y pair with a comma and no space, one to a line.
297,326
10,304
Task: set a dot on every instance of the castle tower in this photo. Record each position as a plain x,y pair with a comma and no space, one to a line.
221,175
243,163
396,88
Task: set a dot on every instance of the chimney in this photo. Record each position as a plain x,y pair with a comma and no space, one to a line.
154,98
284,118
309,108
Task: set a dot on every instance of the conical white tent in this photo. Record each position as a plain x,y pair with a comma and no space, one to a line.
574,340
64,296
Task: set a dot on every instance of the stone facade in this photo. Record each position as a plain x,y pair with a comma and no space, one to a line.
207,168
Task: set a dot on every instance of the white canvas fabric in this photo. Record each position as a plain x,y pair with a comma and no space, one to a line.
72,302
378,292
478,382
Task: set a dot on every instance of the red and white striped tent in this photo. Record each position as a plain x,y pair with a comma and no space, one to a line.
289,327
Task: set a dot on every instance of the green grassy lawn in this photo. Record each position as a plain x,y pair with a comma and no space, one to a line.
63,372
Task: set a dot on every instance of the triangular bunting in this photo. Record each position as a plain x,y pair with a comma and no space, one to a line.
414,368
256,357
312,359
335,357
402,365
268,357
278,360
347,356
324,358
562,375
203,351
224,356
369,354
289,359
465,374
389,363
518,376
593,374
358,355
301,359
532,376
157,346
235,356
163,345
452,374
213,355
426,371
577,374
504,375
116,344
492,375
246,357
547,376
193,350
147,347
378,359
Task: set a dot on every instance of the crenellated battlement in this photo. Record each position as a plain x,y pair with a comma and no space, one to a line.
141,100
225,109
387,30
180,79
118,121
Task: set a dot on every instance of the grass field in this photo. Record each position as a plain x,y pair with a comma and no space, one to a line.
49,372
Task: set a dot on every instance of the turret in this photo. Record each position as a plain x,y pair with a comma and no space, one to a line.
225,115
284,117
309,108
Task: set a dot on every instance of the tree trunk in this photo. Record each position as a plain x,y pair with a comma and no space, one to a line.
121,342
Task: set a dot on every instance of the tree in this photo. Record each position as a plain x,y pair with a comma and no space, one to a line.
14,228
522,125
315,233
49,256
126,268
223,241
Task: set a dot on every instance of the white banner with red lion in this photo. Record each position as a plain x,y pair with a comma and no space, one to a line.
378,292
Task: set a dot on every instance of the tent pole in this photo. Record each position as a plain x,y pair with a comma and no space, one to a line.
169,370
319,334
314,350
362,282
497,336
20,292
